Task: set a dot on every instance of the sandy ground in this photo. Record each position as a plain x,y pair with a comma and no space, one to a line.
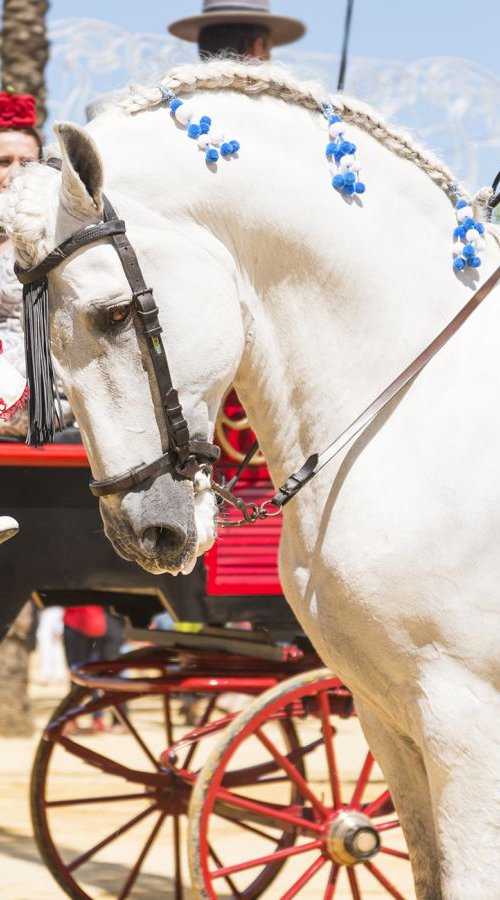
78,827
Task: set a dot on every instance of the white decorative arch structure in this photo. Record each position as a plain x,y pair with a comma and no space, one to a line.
452,105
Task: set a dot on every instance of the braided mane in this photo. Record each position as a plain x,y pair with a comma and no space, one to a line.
275,81
29,210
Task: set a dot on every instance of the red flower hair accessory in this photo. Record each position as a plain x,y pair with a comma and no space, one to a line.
17,110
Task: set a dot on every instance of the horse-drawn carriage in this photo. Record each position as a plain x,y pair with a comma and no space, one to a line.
275,758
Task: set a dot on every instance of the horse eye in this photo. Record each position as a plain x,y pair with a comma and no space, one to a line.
119,314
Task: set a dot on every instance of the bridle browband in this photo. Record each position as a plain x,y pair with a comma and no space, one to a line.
185,455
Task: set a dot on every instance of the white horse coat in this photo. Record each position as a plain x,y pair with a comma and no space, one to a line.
310,304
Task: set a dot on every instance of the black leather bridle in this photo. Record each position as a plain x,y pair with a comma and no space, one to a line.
186,456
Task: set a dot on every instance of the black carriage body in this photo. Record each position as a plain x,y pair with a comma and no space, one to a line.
62,557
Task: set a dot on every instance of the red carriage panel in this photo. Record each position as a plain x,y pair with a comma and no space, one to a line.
245,560
52,455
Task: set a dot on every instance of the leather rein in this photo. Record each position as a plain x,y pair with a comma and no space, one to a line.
188,456
252,512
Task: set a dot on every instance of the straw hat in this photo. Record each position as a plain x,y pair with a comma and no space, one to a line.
232,12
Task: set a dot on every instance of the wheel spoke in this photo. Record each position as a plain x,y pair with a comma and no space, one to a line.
270,858
247,827
332,882
268,812
372,808
128,724
177,859
399,853
218,863
167,711
388,826
292,772
252,775
328,733
105,764
362,781
383,881
353,883
132,878
308,874
80,860
113,798
201,724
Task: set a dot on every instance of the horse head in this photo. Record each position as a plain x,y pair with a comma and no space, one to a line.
167,520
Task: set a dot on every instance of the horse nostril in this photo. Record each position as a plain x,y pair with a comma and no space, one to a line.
156,540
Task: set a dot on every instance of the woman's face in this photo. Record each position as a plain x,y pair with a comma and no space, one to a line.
16,149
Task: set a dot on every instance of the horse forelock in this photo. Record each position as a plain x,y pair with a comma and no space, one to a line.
29,212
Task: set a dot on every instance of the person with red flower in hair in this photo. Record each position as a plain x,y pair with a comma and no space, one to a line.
20,144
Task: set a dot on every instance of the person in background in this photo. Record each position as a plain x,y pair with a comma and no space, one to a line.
51,660
20,144
247,30
91,633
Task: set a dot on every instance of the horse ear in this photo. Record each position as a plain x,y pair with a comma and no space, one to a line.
82,172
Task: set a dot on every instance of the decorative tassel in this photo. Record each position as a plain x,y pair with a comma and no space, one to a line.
210,141
342,151
468,236
43,403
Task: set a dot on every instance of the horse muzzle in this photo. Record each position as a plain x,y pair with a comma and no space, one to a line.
153,525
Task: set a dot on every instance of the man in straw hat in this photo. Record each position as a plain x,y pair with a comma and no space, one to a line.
246,28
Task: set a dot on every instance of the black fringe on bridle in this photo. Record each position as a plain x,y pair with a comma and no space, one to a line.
45,411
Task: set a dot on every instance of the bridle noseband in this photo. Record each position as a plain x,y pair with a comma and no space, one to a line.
185,455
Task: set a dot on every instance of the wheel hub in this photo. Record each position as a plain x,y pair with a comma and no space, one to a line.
351,838
173,796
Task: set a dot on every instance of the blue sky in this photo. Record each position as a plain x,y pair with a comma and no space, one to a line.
385,29
386,32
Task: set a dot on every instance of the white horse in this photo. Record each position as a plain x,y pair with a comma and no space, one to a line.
310,303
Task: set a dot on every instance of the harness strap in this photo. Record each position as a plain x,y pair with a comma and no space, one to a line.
316,462
182,450
249,455
495,198
131,479
78,240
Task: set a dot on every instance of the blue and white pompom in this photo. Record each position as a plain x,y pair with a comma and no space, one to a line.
212,142
468,237
342,152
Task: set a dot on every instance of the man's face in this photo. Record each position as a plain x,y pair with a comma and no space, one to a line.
261,48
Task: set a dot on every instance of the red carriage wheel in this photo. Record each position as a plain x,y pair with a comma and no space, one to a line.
109,804
346,836
108,816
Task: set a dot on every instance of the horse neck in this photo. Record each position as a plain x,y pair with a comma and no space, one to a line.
343,296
